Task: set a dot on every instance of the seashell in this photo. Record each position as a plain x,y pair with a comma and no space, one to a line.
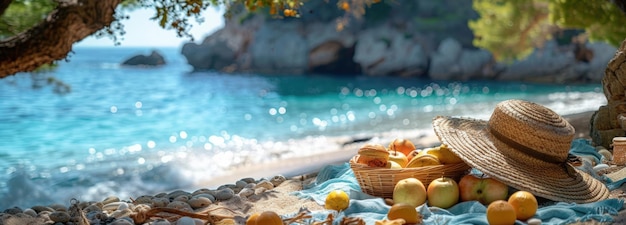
199,202
183,206
160,202
265,184
110,199
207,195
534,221
277,180
13,211
144,199
224,194
161,222
39,209
58,207
248,180
240,184
606,154
246,192
30,212
185,221
600,167
60,217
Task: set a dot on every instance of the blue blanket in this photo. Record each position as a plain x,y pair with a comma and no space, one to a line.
370,208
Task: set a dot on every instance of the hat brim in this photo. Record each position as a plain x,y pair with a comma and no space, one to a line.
471,140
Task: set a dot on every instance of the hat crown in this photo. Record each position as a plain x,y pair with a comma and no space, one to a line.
532,129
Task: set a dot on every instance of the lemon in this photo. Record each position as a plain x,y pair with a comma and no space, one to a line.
423,160
337,200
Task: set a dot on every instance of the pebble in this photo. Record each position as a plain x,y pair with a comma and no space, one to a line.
207,195
278,180
185,221
224,194
112,206
123,221
122,206
265,184
92,208
121,213
245,192
144,199
173,195
249,180
607,154
40,209
534,221
241,184
60,216
30,212
160,202
250,185
161,222
199,202
110,199
183,206
13,211
58,207
259,190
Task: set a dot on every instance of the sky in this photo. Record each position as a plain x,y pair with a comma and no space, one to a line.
141,31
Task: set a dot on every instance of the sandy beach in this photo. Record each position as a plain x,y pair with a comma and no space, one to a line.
278,181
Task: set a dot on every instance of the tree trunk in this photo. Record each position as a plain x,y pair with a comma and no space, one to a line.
53,38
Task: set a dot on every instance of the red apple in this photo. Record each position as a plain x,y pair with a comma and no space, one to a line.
482,189
443,192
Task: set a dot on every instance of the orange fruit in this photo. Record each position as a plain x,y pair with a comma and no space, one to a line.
337,200
500,212
402,145
404,211
524,203
252,219
269,218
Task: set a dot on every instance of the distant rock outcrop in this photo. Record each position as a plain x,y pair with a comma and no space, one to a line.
409,39
154,59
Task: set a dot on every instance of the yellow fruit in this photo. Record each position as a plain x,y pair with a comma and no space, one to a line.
269,218
443,154
524,203
423,160
252,219
404,211
393,165
500,212
337,200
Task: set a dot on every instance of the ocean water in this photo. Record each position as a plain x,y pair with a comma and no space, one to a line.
128,131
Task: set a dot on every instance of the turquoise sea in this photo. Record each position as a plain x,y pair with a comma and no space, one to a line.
128,131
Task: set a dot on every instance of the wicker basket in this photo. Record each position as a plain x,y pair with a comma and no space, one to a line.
380,182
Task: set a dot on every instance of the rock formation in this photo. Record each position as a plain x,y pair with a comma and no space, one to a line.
154,59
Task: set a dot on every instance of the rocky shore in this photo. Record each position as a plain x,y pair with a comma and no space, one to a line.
229,203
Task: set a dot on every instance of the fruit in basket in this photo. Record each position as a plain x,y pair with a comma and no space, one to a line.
443,153
402,145
398,157
524,203
483,189
443,192
500,212
393,165
337,200
423,160
374,155
413,154
406,212
410,191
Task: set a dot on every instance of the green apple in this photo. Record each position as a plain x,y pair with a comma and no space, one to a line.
443,192
411,191
482,189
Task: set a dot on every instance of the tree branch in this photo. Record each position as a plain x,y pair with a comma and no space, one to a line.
53,38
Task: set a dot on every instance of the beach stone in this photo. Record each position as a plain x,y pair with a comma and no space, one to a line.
250,185
207,195
160,202
173,195
226,186
183,206
248,180
39,209
112,206
259,190
161,222
144,199
13,211
277,180
199,202
265,184
201,191
245,192
121,213
58,207
241,184
60,217
606,153
224,194
110,199
182,198
92,208
160,195
30,212
83,205
185,221
123,221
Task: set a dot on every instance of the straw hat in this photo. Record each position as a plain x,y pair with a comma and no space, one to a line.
524,145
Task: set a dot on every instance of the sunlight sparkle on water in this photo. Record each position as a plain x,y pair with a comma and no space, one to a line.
151,144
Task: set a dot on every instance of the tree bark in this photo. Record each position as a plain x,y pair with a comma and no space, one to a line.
4,4
52,39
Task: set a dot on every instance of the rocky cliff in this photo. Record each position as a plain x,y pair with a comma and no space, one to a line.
420,39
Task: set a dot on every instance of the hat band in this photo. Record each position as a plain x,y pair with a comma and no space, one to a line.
523,148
